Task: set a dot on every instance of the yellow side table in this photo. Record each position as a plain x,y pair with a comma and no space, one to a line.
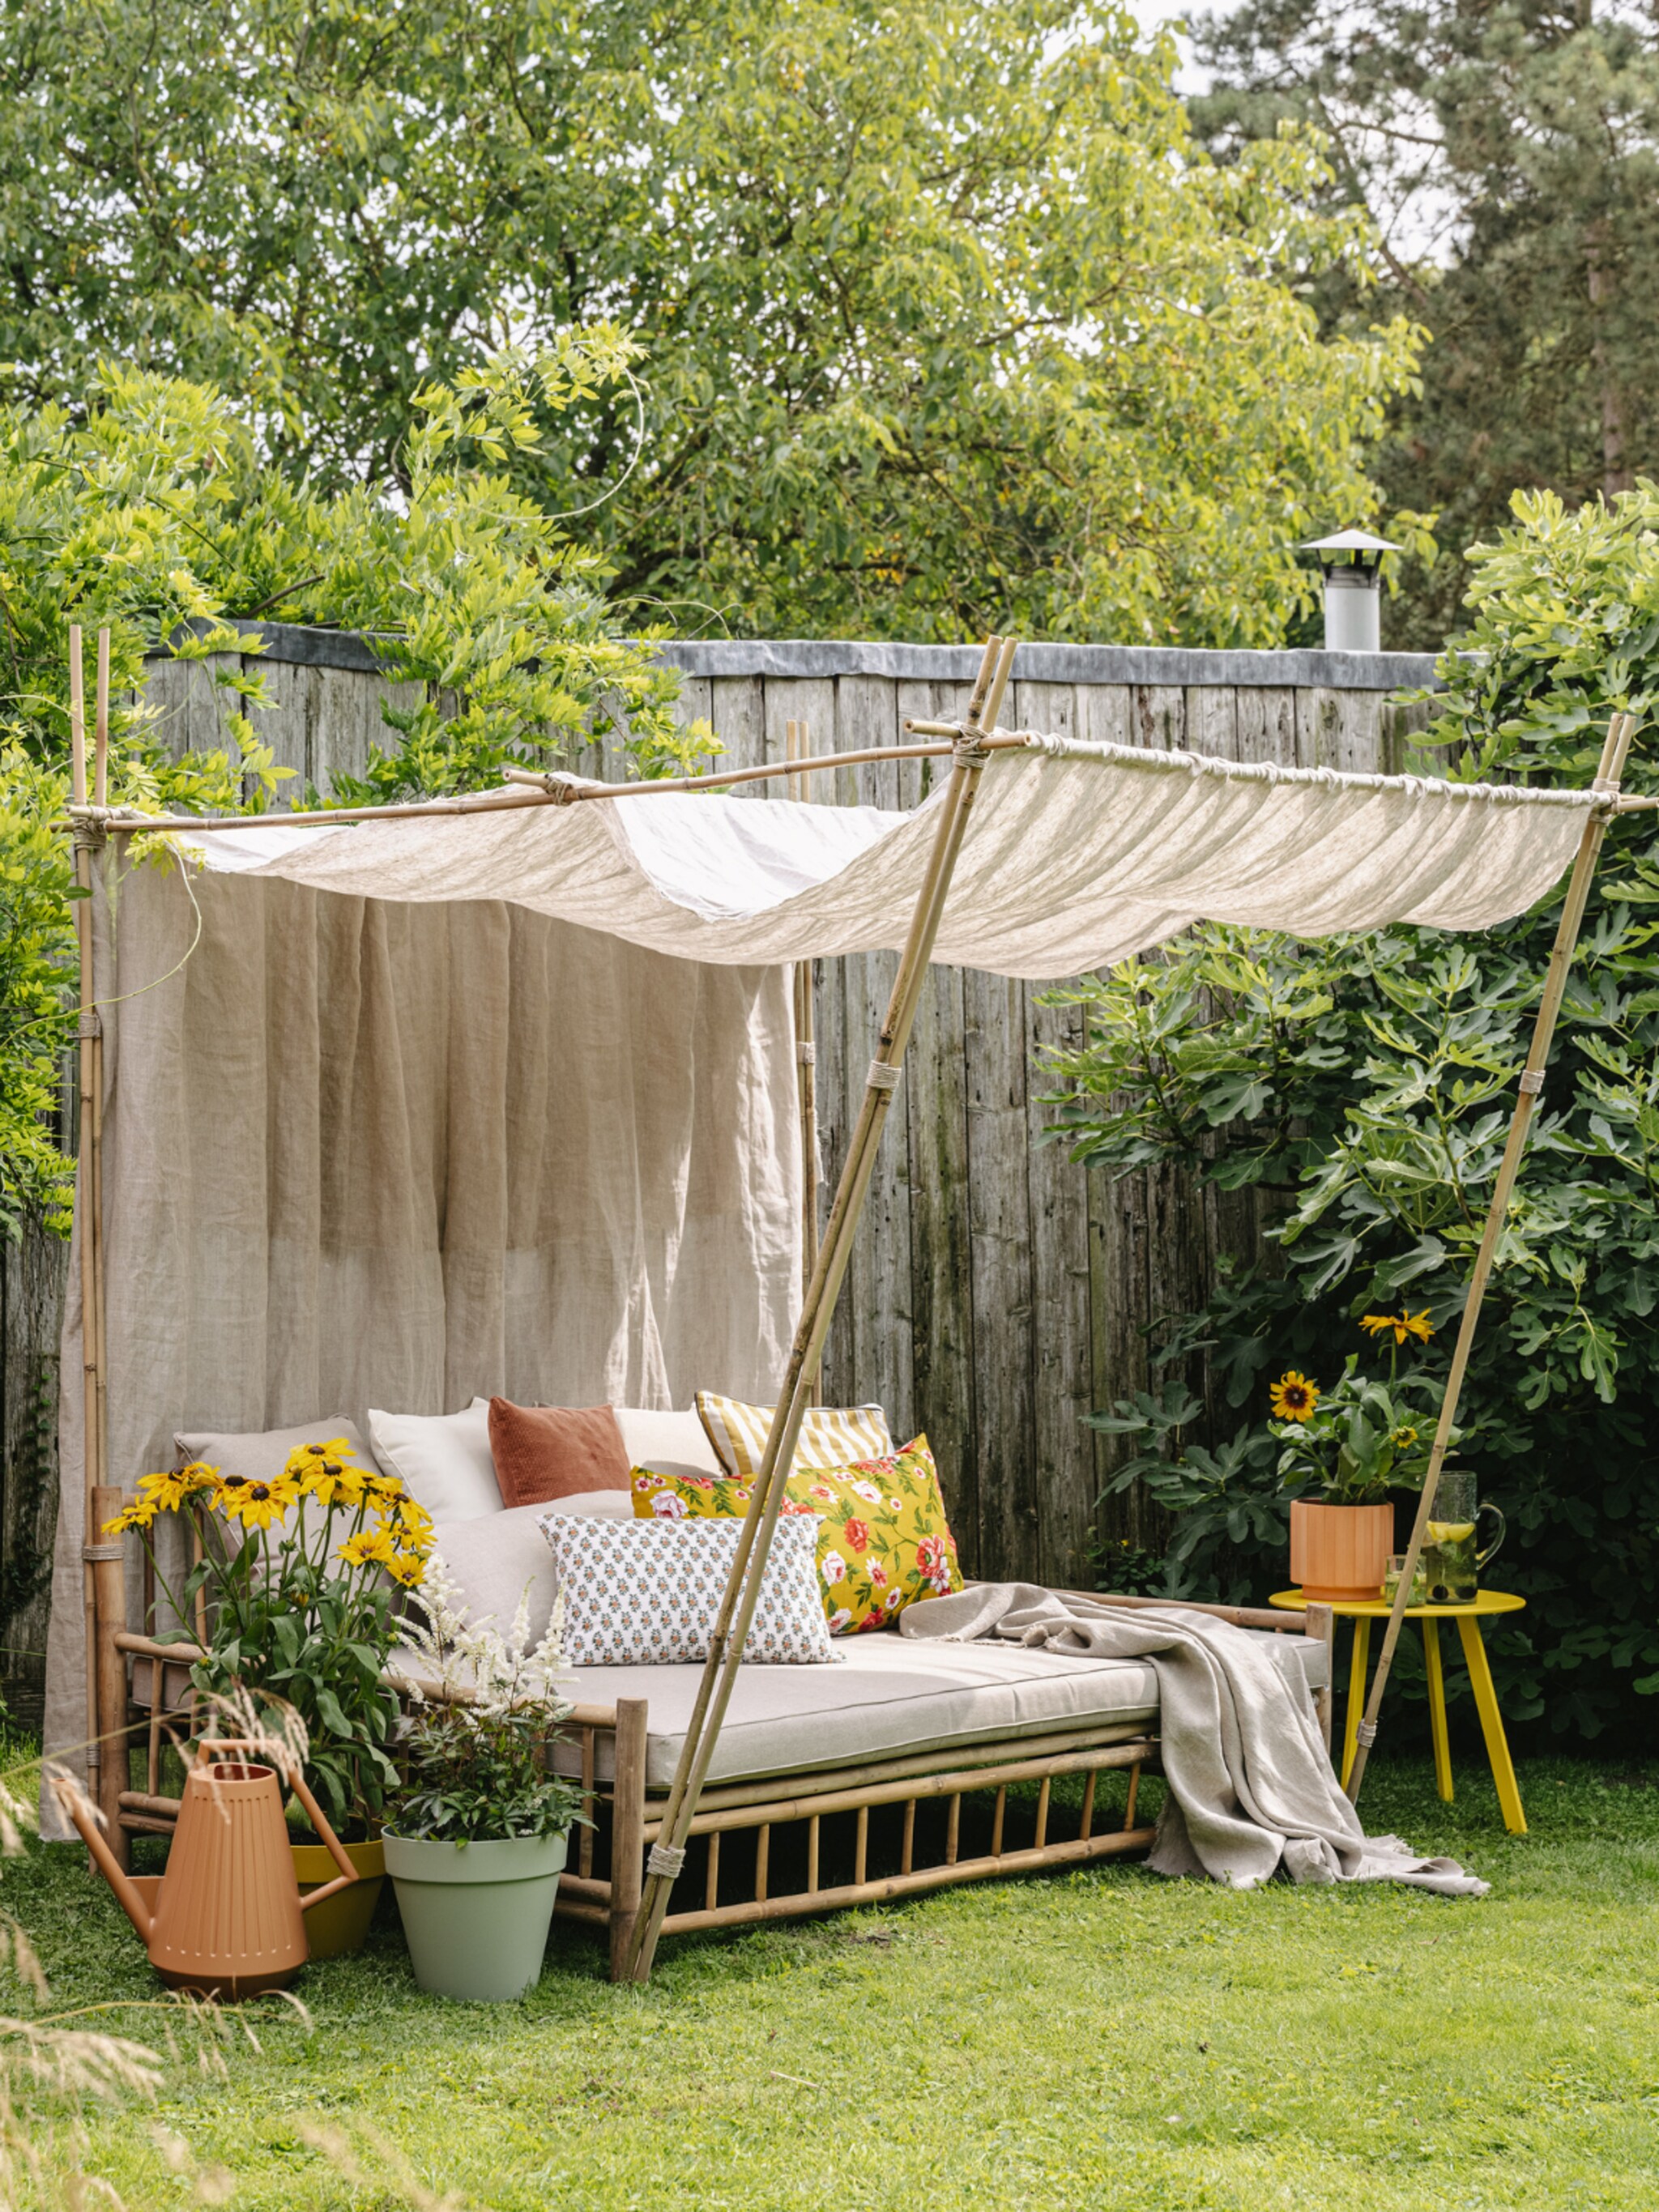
1468,1618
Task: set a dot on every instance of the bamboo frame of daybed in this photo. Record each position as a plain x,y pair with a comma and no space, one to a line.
969,744
602,1888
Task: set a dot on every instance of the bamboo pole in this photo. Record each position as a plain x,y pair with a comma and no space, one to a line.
530,788
742,1586
806,1053
93,1477
1608,773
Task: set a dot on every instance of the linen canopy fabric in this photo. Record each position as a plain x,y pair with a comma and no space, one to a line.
1076,855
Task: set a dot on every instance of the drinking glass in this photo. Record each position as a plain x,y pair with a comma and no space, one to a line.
1396,1567
1450,1559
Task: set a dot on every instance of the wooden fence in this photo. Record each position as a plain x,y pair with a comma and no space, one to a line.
997,1293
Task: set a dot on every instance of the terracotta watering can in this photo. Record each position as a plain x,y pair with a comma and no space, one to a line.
227,1918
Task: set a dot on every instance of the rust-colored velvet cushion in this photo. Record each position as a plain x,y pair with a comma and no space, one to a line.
543,1453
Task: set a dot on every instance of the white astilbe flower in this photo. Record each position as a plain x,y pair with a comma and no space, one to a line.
463,1661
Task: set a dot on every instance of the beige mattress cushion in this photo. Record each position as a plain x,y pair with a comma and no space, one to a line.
895,1695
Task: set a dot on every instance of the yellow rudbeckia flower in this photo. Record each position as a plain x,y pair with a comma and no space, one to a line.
327,1473
255,1504
1294,1397
1403,1324
370,1547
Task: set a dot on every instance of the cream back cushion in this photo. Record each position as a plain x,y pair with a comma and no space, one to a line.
444,1459
645,1593
662,1440
830,1435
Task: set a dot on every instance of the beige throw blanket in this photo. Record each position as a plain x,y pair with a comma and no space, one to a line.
1251,1788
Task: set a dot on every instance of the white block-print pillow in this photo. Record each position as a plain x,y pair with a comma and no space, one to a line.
645,1593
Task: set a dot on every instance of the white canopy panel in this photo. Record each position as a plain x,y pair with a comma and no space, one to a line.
1076,855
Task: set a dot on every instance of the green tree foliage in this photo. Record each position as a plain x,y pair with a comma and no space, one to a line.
1364,1085
150,509
1508,155
944,321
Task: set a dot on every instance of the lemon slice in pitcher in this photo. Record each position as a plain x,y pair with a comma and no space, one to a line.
1450,1532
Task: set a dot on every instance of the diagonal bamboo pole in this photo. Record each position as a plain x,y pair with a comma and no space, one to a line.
1608,772
742,1593
806,1053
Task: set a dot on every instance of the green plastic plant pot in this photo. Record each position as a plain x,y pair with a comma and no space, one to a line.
475,1916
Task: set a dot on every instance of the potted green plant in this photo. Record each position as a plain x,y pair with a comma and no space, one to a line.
476,1839
296,1582
1342,1450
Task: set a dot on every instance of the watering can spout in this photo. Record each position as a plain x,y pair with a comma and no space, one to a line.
128,1896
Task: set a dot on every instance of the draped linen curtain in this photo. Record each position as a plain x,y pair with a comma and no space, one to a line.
360,1153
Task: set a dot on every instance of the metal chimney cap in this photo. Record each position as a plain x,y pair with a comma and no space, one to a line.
1349,541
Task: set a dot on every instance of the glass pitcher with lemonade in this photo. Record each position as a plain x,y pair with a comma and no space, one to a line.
1450,1559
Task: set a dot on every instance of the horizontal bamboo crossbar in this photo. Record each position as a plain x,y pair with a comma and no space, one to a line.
922,1762
530,787
851,1797
1076,1853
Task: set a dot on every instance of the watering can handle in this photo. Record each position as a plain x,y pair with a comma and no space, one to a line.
302,1789
79,1806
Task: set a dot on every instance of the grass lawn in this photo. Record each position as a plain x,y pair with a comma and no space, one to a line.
1102,2039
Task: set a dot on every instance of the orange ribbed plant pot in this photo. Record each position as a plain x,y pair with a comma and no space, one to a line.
1340,1553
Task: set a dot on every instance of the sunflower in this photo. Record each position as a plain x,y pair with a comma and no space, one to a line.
370,1547
1294,1397
1403,1324
255,1504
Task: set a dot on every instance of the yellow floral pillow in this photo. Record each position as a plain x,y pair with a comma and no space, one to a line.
884,1540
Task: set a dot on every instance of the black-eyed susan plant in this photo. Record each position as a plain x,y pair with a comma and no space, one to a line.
1348,1442
1362,1437
298,1580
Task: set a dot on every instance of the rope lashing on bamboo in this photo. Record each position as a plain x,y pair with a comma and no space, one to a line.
807,1054
1532,1081
883,1076
666,1859
1273,772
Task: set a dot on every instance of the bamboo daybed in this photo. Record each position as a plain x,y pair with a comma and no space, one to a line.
1082,854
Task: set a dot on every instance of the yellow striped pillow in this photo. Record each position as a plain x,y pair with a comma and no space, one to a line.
830,1435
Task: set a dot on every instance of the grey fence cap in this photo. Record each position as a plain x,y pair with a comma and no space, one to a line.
1153,664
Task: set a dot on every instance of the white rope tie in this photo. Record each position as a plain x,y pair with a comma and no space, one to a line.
665,1859
1366,1733
1270,772
882,1075
806,1054
1532,1081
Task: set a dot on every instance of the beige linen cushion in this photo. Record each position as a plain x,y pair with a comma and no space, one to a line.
260,1454
493,1560
830,1435
443,1458
667,1441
